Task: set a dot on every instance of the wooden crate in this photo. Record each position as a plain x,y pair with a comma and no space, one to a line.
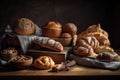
58,57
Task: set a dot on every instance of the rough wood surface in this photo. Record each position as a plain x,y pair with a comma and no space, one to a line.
75,71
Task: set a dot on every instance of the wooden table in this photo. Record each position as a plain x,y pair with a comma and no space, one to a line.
75,72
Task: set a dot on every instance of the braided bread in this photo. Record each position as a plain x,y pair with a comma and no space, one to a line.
86,46
102,49
49,43
44,62
98,32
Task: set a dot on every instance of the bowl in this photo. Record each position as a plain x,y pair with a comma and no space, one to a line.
8,53
21,61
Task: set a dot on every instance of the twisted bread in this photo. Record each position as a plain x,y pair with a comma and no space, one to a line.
44,62
98,32
91,29
103,40
90,40
49,43
102,49
86,46
106,53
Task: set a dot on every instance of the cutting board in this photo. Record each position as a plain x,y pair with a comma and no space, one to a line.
58,57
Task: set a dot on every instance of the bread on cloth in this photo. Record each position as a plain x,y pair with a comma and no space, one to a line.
24,26
86,46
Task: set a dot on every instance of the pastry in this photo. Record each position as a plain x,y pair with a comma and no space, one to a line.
43,62
24,26
102,49
8,53
70,28
103,40
105,56
96,31
49,43
52,29
86,46
21,61
90,40
92,29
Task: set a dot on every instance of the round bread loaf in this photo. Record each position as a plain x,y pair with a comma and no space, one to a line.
70,28
44,62
24,26
65,35
52,29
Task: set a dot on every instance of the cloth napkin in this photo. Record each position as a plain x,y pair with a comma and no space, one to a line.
84,61
25,41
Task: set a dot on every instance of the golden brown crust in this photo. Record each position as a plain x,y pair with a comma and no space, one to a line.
103,40
44,62
24,26
102,49
52,29
98,32
92,29
86,46
49,43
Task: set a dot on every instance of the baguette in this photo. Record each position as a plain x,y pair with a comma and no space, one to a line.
48,43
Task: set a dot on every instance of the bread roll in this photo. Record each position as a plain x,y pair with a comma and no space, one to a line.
65,35
92,29
49,43
86,46
98,32
44,62
52,29
102,49
24,26
105,56
70,28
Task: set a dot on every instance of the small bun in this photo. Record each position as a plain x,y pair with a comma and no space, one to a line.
52,29
105,56
70,28
65,35
24,26
44,62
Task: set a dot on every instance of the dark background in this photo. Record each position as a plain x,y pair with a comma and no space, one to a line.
83,13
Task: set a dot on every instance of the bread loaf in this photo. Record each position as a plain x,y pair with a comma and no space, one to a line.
52,29
24,26
49,43
44,62
96,31
86,46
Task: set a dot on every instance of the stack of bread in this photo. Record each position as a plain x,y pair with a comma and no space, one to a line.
94,43
63,34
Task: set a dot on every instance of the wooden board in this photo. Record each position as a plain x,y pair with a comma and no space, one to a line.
58,57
